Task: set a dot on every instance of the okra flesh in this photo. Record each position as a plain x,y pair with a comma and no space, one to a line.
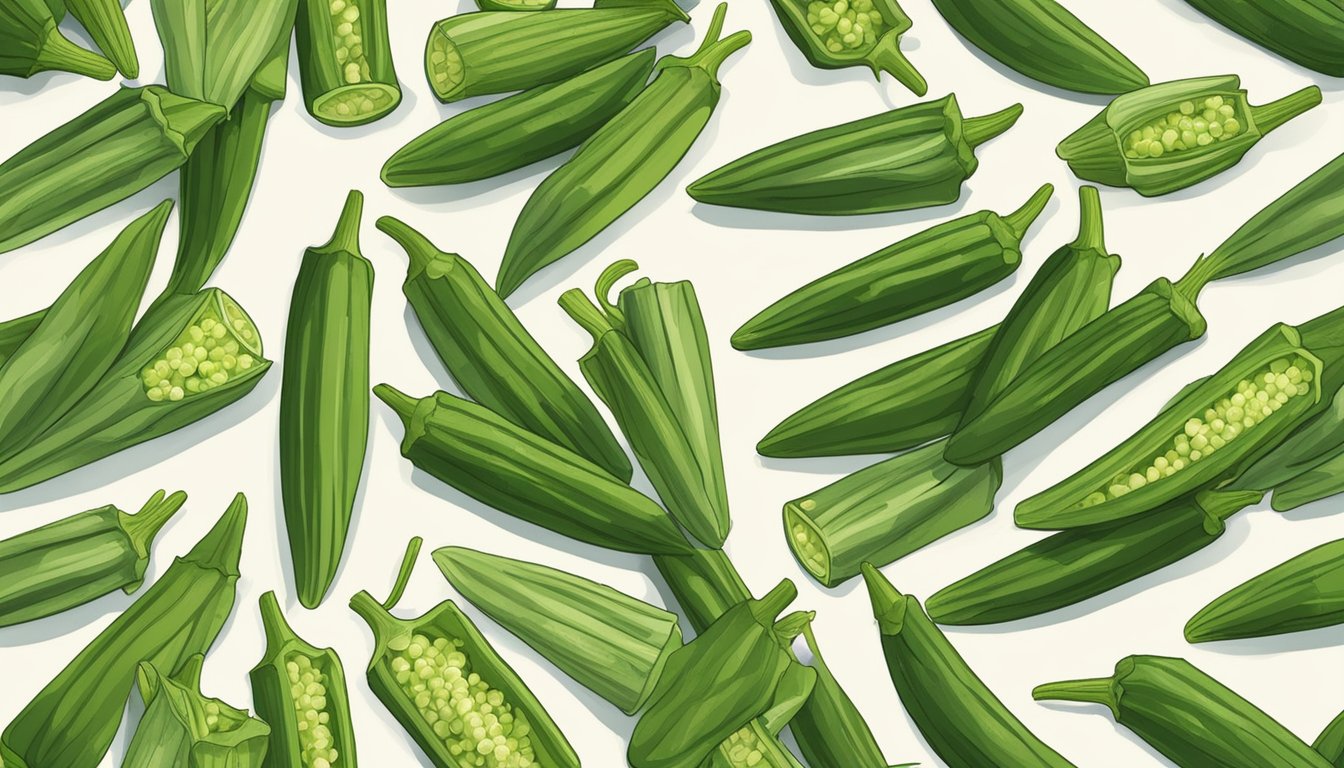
345,62
219,344
840,33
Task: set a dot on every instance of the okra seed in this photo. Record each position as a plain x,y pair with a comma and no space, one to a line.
1191,125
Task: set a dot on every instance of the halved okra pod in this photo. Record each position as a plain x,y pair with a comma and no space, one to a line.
934,268
493,358
183,727
450,690
1330,744
927,150
300,691
345,61
834,34
1187,715
1172,135
71,721
105,21
1308,32
31,42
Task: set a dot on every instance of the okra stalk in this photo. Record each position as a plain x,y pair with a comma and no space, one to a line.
181,726
833,35
345,61
1307,32
1330,744
105,22
705,584
31,42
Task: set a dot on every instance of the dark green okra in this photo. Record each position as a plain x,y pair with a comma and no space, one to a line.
1322,480
941,265
16,331
493,358
962,720
834,34
450,690
623,161
345,61
520,130
31,42
1187,715
1308,451
105,21
927,150
183,727
300,690
501,464
1308,32
1331,741
829,729
71,721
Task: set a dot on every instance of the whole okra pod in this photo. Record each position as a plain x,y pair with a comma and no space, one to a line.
1308,32
834,35
183,727
31,42
345,61
105,21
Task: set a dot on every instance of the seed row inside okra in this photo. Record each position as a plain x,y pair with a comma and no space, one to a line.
308,692
446,62
842,25
809,545
347,41
1255,399
1195,123
743,749
475,723
206,355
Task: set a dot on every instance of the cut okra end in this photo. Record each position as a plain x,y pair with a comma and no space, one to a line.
219,345
308,686
353,105
806,540
444,66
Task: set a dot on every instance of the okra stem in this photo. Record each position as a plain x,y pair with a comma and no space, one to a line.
58,53
890,59
144,525
1275,113
221,548
401,403
404,574
418,247
712,51
978,130
775,601
1021,219
585,313
273,623
346,235
606,282
1095,690
1091,229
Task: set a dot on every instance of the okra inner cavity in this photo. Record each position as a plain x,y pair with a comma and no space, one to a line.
361,95
308,692
1189,125
844,26
810,543
214,348
445,64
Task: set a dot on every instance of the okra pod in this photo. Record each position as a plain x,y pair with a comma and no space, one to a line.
927,151
834,35
105,22
300,690
1173,135
71,721
31,42
16,331
345,61
519,130
183,727
493,358
961,719
1308,32
1322,480
507,467
1308,451
934,268
623,161
1330,744
830,731
705,584
1187,715
212,50
515,5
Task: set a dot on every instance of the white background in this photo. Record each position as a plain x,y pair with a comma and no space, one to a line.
739,261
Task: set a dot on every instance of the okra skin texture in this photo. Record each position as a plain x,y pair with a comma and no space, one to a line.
213,51
515,5
117,148
1331,741
16,331
829,729
1307,32
105,21
927,151
190,729
345,61
493,357
519,130
885,20
1187,715
72,721
1322,480
961,719
31,42
705,584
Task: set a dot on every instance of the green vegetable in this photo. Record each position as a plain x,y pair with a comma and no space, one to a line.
1325,479
212,49
182,727
16,331
345,61
1172,135
500,464
301,691
705,584
79,558
450,690
1331,741
833,34
71,721
939,266
1187,715
105,22
30,42
1308,32
493,358
926,150
623,161
515,5
1044,41
963,721
829,729
1307,451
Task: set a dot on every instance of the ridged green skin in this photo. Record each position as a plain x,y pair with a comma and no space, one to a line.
705,584
72,721
888,510
16,331
1044,41
115,414
962,720
1187,715
611,643
1324,479
501,464
505,51
1095,152
1306,453
30,42
519,130
924,152
1331,742
116,148
211,50
934,268
1308,32
105,21
622,162
515,5
1304,592
493,358
1072,566
172,730
829,729
275,704
80,336
324,402
320,71
884,55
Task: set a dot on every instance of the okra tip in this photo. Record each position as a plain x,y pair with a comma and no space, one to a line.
584,312
1275,113
1097,690
144,525
889,58
1021,220
400,402
346,235
273,622
222,547
888,603
775,601
977,130
59,53
1091,232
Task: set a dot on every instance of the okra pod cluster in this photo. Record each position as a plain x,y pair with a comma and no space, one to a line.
837,33
183,727
31,42
1308,32
345,61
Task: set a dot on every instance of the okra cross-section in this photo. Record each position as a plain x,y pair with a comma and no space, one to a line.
219,344
345,61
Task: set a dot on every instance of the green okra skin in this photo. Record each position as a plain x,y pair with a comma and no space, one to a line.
105,21
79,558
493,358
212,50
934,268
1044,41
611,643
1304,592
927,152
449,720
886,511
16,331
1307,32
521,129
705,584
1071,566
872,39
80,336
324,402
472,54
153,388
182,726
345,61
1173,135
31,42
1330,744
1187,715
501,464
1324,479
300,690
961,719
113,150
72,721
829,729
515,5
1308,452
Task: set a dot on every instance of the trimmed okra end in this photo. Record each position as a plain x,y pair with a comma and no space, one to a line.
220,344
353,105
806,541
1190,124
444,66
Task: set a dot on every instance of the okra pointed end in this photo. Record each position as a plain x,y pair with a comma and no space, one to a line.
977,130
144,525
418,247
222,547
890,59
1269,116
346,235
59,53
400,402
1021,220
888,603
1098,690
